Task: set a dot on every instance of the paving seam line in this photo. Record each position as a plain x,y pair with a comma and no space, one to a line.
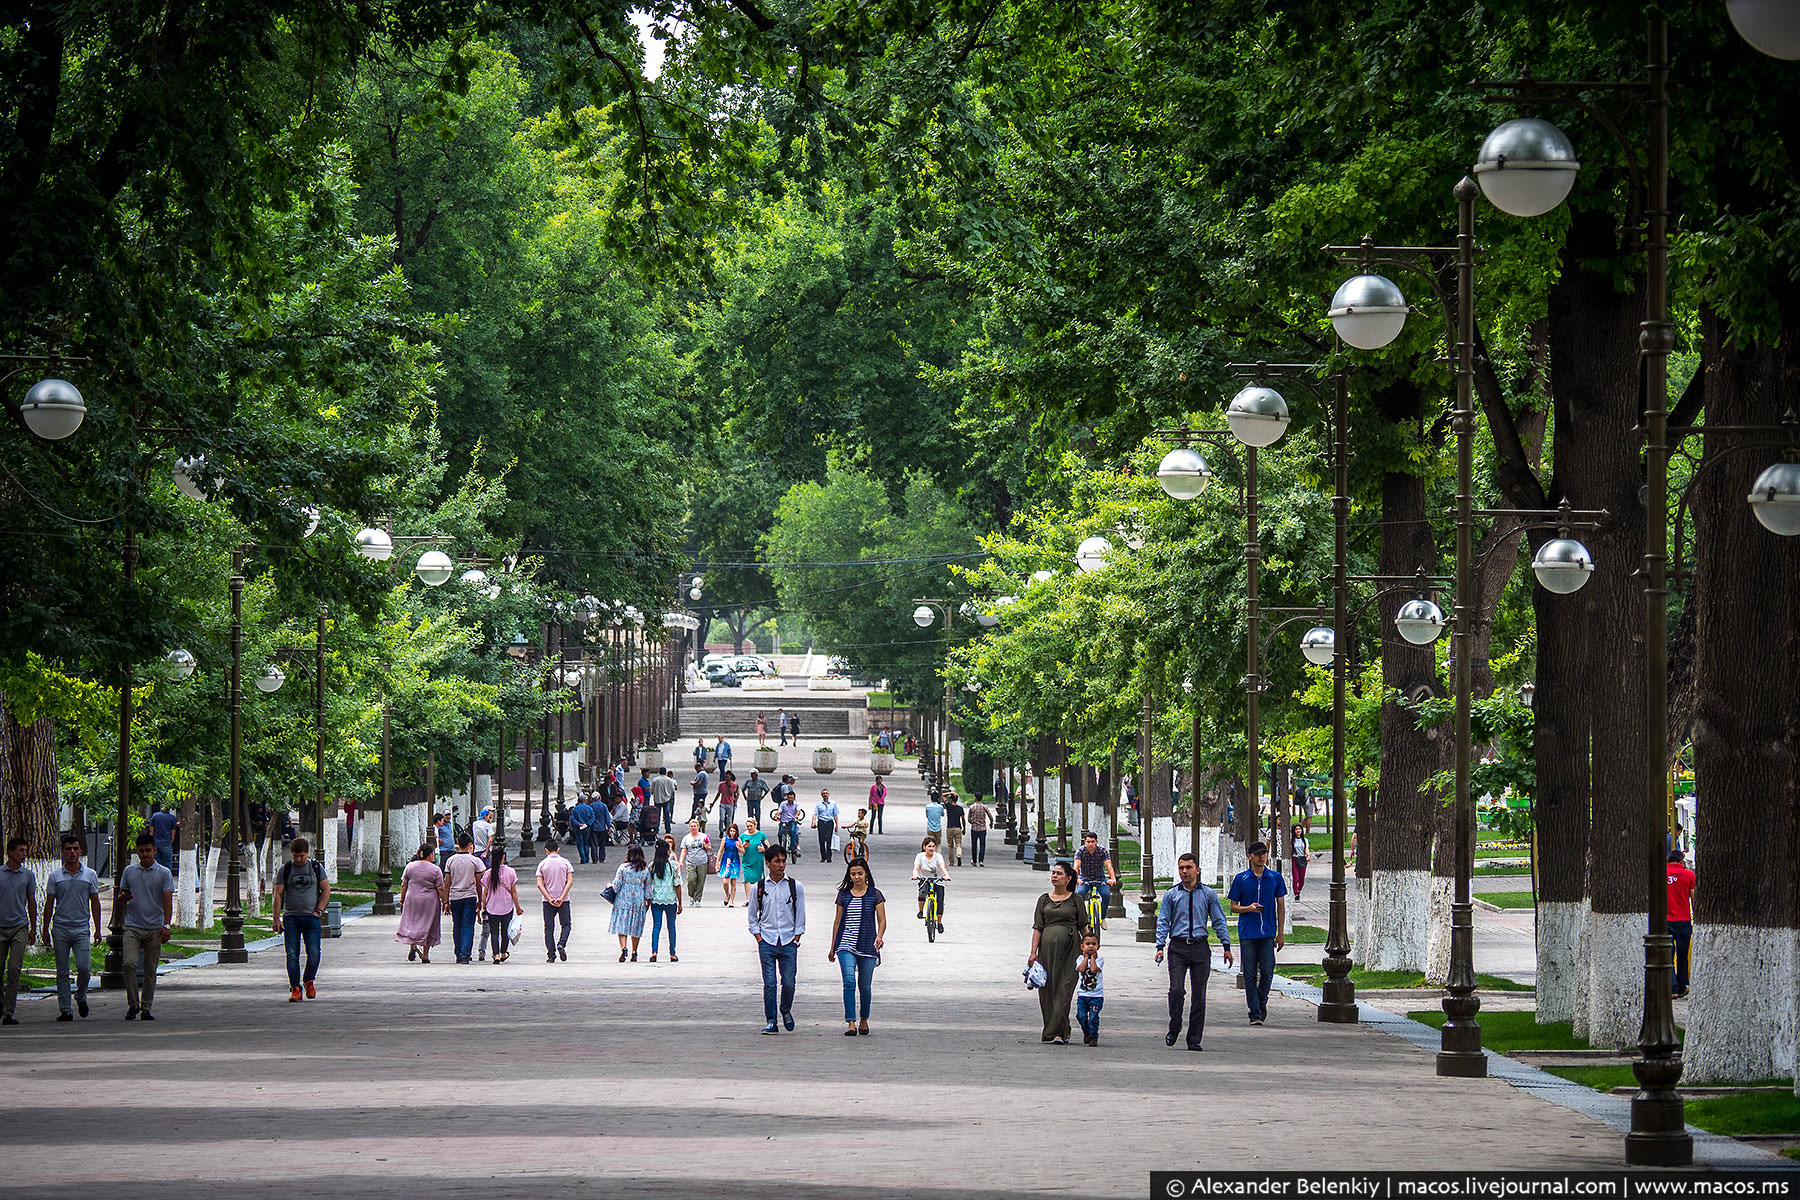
1710,1149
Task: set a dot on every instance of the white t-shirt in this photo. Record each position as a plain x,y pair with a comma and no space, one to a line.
929,869
483,833
696,848
1090,984
1300,847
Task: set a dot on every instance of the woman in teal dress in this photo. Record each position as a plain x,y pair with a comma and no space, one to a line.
751,849
632,883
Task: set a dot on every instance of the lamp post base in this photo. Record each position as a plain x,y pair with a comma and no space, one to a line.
1040,855
1115,906
384,894
231,947
1146,927
112,974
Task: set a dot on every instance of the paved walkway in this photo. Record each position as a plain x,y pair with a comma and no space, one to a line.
541,1080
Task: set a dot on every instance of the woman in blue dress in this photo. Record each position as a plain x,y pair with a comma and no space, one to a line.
731,864
632,883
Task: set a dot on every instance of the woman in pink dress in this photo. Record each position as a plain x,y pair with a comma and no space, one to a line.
762,730
423,902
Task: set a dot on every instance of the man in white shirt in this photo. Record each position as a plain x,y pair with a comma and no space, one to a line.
777,912
483,832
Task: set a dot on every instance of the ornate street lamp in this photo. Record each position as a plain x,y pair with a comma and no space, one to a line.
53,409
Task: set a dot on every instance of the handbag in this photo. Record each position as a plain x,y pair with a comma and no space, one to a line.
610,894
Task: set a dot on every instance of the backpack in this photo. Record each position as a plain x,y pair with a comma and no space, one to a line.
793,895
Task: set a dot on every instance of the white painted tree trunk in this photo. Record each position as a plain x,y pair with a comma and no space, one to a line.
250,886
1356,893
1399,920
40,869
209,876
1560,923
1437,934
1584,978
1615,960
187,877
1741,1018
328,853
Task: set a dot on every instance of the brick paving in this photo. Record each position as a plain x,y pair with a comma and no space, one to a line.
591,1075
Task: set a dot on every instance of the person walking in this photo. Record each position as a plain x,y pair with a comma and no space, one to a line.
731,863
980,817
877,804
582,820
726,800
777,919
483,832
934,818
72,923
1258,897
1056,929
753,791
19,918
1182,918
794,727
857,933
825,819
700,754
424,899
555,876
301,892
781,725
1681,919
665,898
662,796
762,730
147,891
722,756
696,857
444,831
462,876
1302,849
1090,987
164,826
931,870
631,901
953,828
751,847
702,789
500,900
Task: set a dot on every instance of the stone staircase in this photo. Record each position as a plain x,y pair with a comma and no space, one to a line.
731,712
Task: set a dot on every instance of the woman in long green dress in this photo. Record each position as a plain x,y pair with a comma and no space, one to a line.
1055,939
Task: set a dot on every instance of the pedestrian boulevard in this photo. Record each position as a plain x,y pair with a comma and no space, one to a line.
593,1076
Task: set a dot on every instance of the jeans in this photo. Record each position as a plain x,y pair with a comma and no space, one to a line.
79,944
584,840
754,809
826,828
1682,932
790,837
658,914
499,928
727,818
294,927
978,846
553,913
165,854
12,961
1087,1014
141,945
859,975
1259,973
1189,962
462,924
1299,866
668,815
875,818
1083,888
783,959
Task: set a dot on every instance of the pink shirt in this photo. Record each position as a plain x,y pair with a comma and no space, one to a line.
554,874
499,901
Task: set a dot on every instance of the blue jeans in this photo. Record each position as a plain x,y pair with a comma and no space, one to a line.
1082,889
859,975
668,816
790,837
293,929
783,959
1259,972
462,924
584,838
658,914
1087,1014
165,854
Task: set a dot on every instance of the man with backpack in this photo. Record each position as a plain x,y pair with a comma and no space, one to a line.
301,891
753,792
777,912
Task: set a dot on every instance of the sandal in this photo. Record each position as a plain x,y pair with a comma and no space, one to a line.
673,958
634,956
850,1032
863,1029
622,953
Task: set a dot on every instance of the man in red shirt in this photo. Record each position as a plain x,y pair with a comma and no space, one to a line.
1681,917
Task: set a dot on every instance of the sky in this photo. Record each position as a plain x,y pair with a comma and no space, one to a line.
653,47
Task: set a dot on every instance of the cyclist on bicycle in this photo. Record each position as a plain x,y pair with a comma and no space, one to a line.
932,872
1094,869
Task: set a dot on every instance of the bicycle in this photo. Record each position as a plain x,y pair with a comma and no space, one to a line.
934,905
1096,908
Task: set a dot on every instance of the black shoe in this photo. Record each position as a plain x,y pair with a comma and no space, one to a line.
9,1020
1196,1046
787,1019
145,1015
1169,1040
551,957
81,1005
562,952
65,1016
131,1014
770,1028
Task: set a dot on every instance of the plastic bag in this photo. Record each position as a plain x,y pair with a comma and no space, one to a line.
1035,976
515,930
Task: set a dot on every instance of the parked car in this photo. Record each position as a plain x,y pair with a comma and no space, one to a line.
720,675
747,665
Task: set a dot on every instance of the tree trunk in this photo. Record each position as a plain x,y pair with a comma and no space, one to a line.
1594,333
1747,620
29,800
209,870
1400,848
1562,722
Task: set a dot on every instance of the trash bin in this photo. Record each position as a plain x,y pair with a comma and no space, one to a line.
334,919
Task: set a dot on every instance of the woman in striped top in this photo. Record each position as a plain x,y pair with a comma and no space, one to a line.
856,939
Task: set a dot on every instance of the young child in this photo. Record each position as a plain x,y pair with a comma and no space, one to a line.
1090,991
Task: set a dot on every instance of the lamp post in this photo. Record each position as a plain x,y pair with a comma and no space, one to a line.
923,616
1146,930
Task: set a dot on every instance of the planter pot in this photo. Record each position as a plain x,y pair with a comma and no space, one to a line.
828,683
765,683
824,760
651,760
765,758
881,764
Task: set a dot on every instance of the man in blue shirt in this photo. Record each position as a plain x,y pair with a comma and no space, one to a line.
722,756
446,838
163,826
825,816
1258,897
934,819
1182,918
581,819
